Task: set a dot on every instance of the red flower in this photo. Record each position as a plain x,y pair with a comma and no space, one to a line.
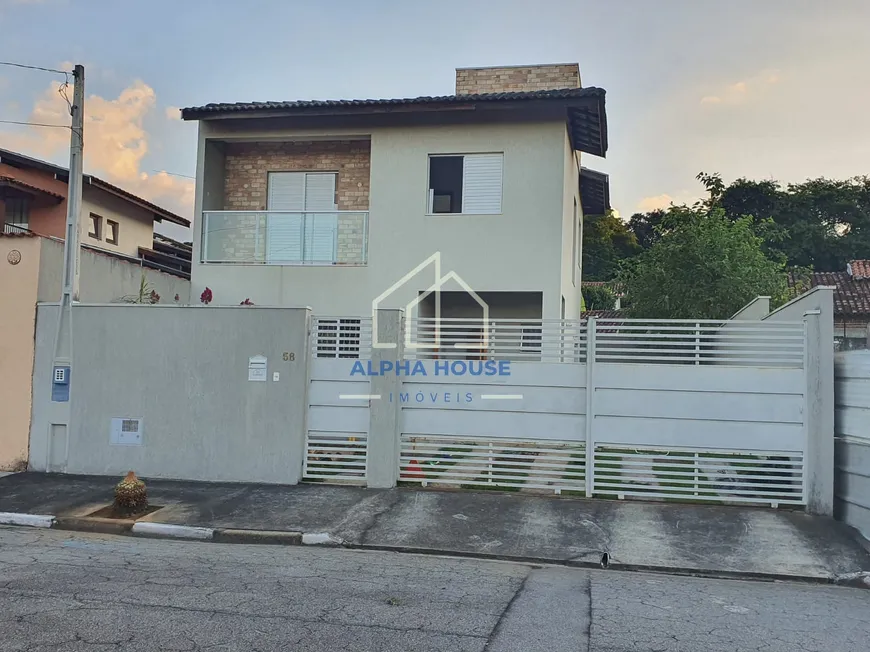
176,298
154,297
206,296
247,302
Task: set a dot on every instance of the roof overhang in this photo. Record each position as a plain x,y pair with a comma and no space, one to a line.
9,182
583,108
20,161
594,192
158,213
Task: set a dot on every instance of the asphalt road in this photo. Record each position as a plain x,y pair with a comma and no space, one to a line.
83,592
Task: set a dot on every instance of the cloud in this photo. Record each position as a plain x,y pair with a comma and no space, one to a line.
656,202
173,113
116,142
742,91
664,201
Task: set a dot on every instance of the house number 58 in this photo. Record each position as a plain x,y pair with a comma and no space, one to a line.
289,357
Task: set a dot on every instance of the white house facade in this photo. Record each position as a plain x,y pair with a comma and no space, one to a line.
328,204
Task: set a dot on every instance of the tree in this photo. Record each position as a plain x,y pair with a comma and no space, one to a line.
703,266
820,223
598,297
606,241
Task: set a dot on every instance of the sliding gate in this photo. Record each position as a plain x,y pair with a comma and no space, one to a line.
674,410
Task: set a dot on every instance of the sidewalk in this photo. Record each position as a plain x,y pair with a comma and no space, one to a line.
669,537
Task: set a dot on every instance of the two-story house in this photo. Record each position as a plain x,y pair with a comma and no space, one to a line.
330,203
33,199
120,259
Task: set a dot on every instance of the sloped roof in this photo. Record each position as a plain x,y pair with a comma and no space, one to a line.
21,161
586,115
602,314
851,295
27,187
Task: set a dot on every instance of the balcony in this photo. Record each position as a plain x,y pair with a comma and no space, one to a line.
14,229
285,237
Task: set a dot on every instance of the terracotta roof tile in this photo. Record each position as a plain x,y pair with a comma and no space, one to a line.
15,183
602,314
860,269
851,296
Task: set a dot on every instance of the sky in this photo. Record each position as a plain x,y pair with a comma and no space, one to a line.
763,89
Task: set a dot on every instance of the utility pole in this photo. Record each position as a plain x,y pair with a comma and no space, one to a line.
70,288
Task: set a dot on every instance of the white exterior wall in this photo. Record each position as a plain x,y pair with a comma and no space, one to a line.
518,250
105,279
183,370
135,225
571,193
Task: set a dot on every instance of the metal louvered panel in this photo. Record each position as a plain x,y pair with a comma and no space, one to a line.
482,183
473,462
286,192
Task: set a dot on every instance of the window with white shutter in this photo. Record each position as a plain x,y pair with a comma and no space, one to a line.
469,184
321,225
293,235
481,178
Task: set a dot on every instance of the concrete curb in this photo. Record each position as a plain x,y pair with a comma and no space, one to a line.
147,529
29,520
268,537
93,524
167,531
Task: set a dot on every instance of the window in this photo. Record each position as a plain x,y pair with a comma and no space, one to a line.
111,232
293,234
470,184
95,227
18,212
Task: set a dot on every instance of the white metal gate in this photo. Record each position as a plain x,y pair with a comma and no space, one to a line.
679,410
336,442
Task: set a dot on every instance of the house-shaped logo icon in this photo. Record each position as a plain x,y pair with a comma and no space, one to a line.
411,306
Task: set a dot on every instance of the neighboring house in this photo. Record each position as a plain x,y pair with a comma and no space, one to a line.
851,302
31,269
33,197
329,203
119,250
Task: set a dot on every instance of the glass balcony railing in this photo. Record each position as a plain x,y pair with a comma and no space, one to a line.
285,237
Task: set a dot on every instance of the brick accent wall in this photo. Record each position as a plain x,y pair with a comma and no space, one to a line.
517,78
246,185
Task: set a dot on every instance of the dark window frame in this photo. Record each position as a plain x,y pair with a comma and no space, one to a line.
17,211
96,222
114,231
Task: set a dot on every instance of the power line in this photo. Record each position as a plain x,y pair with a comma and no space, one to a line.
33,124
174,174
21,65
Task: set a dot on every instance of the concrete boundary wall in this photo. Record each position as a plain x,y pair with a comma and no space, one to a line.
184,371
852,452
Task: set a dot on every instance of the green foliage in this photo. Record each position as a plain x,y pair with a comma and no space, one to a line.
702,266
146,294
820,223
606,241
598,297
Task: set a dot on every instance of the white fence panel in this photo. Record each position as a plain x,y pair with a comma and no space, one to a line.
532,439
852,448
541,340
337,434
